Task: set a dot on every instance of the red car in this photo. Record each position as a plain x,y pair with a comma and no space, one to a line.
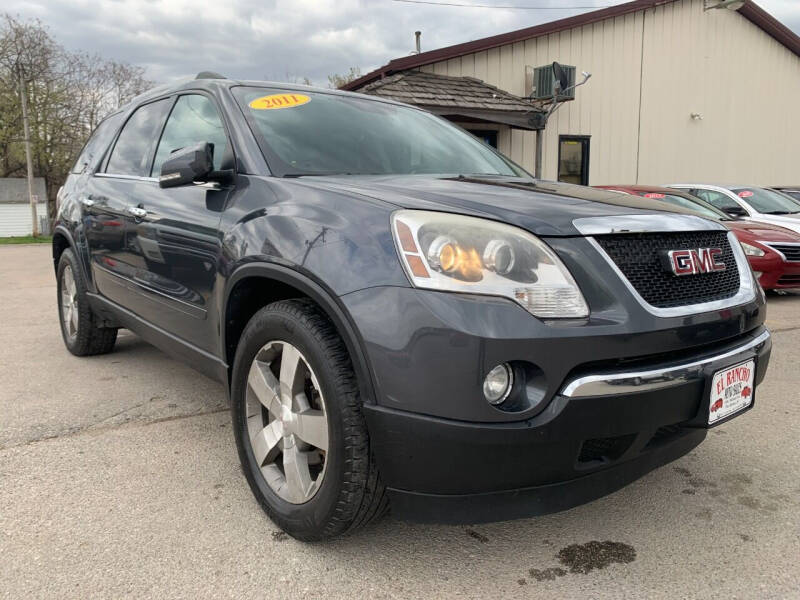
773,252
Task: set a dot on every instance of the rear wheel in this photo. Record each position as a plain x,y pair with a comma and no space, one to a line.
79,328
299,429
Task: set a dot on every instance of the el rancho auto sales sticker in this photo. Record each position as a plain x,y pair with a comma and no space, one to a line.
731,391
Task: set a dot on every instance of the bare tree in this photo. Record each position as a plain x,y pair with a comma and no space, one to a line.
336,80
68,94
26,53
297,79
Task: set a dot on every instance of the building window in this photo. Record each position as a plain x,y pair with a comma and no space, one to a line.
488,136
573,159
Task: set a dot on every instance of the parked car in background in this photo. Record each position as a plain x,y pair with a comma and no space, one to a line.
773,252
749,202
792,191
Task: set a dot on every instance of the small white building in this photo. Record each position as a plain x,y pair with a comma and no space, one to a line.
15,209
680,91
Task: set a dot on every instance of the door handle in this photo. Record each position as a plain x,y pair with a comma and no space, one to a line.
87,202
136,212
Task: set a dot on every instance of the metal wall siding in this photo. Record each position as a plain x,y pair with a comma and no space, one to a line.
15,219
744,83
716,63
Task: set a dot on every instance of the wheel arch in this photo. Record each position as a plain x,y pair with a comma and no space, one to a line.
277,282
62,239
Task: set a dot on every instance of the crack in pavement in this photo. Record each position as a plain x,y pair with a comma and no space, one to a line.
785,329
100,428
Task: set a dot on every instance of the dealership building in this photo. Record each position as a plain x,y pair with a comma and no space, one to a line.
680,90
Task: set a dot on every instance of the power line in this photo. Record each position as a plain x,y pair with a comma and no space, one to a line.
461,5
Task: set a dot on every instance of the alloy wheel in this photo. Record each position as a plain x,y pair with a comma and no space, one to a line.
69,303
287,423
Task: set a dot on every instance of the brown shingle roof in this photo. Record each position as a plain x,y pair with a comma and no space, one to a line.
751,11
430,90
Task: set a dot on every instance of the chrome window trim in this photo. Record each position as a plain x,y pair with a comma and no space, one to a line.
639,381
772,246
131,177
746,293
655,223
213,185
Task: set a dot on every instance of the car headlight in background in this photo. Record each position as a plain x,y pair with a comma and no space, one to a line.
442,251
752,250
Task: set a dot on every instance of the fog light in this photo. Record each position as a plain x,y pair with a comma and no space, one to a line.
498,383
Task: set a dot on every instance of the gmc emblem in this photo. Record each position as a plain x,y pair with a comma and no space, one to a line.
694,262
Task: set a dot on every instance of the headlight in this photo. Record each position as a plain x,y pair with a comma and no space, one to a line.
440,251
752,250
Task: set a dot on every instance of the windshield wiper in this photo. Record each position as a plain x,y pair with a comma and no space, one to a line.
314,174
778,212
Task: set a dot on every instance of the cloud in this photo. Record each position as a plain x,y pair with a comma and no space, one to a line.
280,39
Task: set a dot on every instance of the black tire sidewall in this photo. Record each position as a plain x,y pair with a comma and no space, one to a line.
310,519
74,346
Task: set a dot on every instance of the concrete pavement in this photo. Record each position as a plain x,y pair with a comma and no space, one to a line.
119,477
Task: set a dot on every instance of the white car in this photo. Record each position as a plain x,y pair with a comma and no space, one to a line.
749,202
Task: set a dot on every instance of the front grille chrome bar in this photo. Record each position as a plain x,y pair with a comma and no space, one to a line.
629,382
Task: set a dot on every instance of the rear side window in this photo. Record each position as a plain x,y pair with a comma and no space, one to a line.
134,148
194,119
717,199
98,142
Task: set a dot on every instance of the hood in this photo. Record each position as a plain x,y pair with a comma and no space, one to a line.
763,231
782,221
545,208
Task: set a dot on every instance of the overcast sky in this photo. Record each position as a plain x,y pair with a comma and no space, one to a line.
285,39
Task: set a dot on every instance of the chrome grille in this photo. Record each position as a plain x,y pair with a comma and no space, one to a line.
790,251
639,257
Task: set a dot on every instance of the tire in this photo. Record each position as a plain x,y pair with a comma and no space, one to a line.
79,329
343,491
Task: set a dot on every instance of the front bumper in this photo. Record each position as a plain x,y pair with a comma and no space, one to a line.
600,433
445,454
776,273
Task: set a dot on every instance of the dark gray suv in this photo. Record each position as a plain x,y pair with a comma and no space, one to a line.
401,315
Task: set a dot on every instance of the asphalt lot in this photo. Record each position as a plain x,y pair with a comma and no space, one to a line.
119,477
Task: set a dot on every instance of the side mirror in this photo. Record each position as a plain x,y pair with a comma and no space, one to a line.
187,165
191,164
735,211
561,76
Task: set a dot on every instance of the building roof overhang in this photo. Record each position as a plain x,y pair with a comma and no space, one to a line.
454,97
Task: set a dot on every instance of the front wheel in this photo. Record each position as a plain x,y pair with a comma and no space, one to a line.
299,429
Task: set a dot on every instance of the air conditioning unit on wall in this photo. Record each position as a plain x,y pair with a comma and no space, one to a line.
541,83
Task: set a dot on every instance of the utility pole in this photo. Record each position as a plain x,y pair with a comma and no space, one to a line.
28,158
537,166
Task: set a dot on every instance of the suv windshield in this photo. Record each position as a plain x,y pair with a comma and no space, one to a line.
315,133
768,202
698,206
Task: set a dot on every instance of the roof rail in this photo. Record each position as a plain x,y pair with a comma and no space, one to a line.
209,75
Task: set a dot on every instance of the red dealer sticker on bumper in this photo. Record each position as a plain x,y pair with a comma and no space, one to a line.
731,391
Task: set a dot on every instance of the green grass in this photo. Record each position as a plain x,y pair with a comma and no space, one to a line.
27,239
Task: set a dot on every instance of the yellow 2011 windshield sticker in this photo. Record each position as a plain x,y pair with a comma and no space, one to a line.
276,101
